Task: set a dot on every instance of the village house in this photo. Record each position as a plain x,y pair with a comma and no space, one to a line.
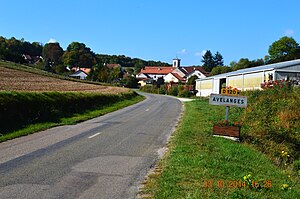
79,74
174,74
32,59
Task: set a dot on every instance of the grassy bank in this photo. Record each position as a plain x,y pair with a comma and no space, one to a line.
199,165
273,125
26,113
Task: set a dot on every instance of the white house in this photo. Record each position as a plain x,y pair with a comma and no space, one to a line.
80,74
174,77
175,73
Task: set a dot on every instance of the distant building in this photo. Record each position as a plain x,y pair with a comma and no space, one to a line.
176,73
249,78
79,74
154,72
86,70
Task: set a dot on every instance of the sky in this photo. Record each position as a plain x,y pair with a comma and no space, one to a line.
159,30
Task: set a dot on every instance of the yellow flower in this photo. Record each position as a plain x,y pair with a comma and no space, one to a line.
245,177
284,186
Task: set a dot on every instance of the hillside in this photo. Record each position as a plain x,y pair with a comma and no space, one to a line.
14,77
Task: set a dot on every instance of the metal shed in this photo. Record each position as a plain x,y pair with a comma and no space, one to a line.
249,78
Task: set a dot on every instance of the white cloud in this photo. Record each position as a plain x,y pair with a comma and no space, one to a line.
200,54
289,32
183,51
52,41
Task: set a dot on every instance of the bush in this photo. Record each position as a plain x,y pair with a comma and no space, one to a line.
184,93
18,109
162,91
174,91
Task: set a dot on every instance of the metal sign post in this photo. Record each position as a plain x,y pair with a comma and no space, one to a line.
227,113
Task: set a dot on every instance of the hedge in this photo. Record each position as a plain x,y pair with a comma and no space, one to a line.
18,109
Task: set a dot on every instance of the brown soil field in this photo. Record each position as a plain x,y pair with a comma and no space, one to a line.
17,80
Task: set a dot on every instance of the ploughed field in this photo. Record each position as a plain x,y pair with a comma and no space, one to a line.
18,80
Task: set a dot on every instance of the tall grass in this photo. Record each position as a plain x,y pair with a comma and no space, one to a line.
272,123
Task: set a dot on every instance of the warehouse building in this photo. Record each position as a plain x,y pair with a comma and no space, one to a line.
249,78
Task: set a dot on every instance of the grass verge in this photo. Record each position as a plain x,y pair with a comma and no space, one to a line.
73,119
199,165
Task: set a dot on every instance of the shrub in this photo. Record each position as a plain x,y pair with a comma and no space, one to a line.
184,93
174,91
18,109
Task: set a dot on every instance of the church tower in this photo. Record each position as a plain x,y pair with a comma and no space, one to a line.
176,63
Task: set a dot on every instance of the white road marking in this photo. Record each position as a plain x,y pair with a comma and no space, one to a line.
94,135
147,110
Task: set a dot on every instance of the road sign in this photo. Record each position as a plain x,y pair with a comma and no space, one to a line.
230,91
226,100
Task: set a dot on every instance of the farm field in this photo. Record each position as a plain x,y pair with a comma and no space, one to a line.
32,100
18,80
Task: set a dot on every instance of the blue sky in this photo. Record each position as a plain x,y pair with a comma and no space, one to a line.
156,29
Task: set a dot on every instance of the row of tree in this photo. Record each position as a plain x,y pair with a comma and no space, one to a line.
12,49
56,59
284,49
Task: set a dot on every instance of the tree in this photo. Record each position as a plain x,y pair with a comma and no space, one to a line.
53,53
115,73
77,54
138,66
160,81
283,49
218,59
130,82
220,70
208,61
192,80
241,64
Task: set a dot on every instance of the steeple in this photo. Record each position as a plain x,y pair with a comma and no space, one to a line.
176,62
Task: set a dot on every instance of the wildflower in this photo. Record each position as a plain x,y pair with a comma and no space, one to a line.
247,177
284,186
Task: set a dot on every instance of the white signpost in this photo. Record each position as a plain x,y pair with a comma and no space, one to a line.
229,98
226,100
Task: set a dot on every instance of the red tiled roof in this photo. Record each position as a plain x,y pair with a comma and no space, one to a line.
178,77
190,69
86,70
157,70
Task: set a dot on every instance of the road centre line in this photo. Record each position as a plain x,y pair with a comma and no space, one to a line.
92,136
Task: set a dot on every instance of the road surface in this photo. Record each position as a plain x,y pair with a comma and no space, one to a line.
106,157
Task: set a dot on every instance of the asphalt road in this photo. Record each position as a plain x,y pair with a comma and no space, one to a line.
106,157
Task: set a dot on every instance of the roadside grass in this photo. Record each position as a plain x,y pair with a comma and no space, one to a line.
75,118
199,165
